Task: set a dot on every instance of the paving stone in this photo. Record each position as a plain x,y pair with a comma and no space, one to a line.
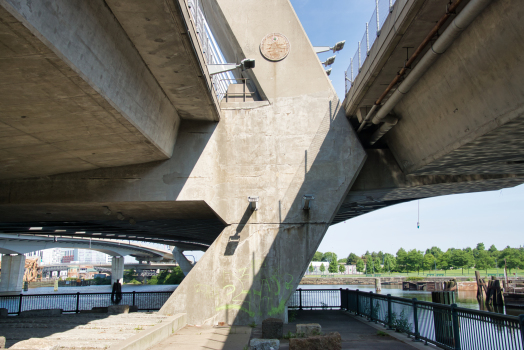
118,309
309,329
264,344
332,341
272,328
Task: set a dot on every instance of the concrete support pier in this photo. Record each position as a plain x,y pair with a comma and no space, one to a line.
13,268
182,261
117,269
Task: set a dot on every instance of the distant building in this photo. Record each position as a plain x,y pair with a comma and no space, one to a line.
350,269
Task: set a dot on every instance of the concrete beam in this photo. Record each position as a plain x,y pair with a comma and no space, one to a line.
13,269
182,261
77,92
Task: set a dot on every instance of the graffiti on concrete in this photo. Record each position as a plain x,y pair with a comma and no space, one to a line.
259,293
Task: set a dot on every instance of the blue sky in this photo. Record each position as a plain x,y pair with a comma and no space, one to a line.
449,221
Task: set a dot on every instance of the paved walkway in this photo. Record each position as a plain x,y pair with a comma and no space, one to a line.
355,334
207,338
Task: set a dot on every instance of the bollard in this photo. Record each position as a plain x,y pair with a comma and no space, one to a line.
300,298
26,286
56,286
378,285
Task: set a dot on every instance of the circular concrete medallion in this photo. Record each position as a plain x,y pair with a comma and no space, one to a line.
274,47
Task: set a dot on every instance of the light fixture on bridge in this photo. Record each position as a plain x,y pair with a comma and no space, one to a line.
328,72
338,46
247,63
35,228
107,211
306,201
329,61
120,216
253,202
132,221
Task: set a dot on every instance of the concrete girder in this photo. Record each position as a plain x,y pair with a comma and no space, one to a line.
13,269
12,244
78,94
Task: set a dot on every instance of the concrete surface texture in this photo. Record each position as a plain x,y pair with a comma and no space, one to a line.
13,268
75,93
355,334
117,269
298,145
83,331
206,338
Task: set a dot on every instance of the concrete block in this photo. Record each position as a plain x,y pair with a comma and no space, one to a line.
42,313
118,309
309,329
133,308
332,341
264,344
95,310
2,342
272,328
3,313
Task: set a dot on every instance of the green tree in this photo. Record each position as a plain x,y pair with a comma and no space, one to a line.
322,268
513,258
333,266
376,264
328,256
352,259
360,265
429,262
484,261
461,259
480,246
443,262
343,261
402,259
389,263
341,268
317,256
414,260
129,275
311,268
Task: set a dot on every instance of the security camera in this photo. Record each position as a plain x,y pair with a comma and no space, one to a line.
247,64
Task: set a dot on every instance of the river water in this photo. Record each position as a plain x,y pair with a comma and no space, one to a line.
465,299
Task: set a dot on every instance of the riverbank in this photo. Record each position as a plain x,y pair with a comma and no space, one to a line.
371,280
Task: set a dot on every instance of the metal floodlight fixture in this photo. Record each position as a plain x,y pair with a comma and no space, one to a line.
245,64
337,47
132,221
328,72
306,201
120,216
329,61
253,202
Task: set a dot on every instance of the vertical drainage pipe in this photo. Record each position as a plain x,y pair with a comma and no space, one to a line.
456,27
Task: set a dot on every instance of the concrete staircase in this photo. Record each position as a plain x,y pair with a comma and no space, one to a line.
83,331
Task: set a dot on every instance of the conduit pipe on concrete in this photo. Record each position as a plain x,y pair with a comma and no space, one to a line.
463,19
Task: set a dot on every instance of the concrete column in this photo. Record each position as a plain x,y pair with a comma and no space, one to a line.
13,268
182,261
117,269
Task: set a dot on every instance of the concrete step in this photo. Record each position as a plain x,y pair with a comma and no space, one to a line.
75,331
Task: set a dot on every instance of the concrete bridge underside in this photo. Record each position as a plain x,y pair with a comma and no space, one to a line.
201,159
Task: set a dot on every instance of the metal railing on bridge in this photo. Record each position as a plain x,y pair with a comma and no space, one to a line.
373,28
76,302
446,326
210,49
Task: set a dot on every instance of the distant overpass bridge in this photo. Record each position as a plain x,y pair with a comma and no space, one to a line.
114,128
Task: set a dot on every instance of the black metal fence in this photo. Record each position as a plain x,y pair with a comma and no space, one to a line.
76,302
446,326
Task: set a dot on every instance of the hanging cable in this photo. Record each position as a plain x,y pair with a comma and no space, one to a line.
418,213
